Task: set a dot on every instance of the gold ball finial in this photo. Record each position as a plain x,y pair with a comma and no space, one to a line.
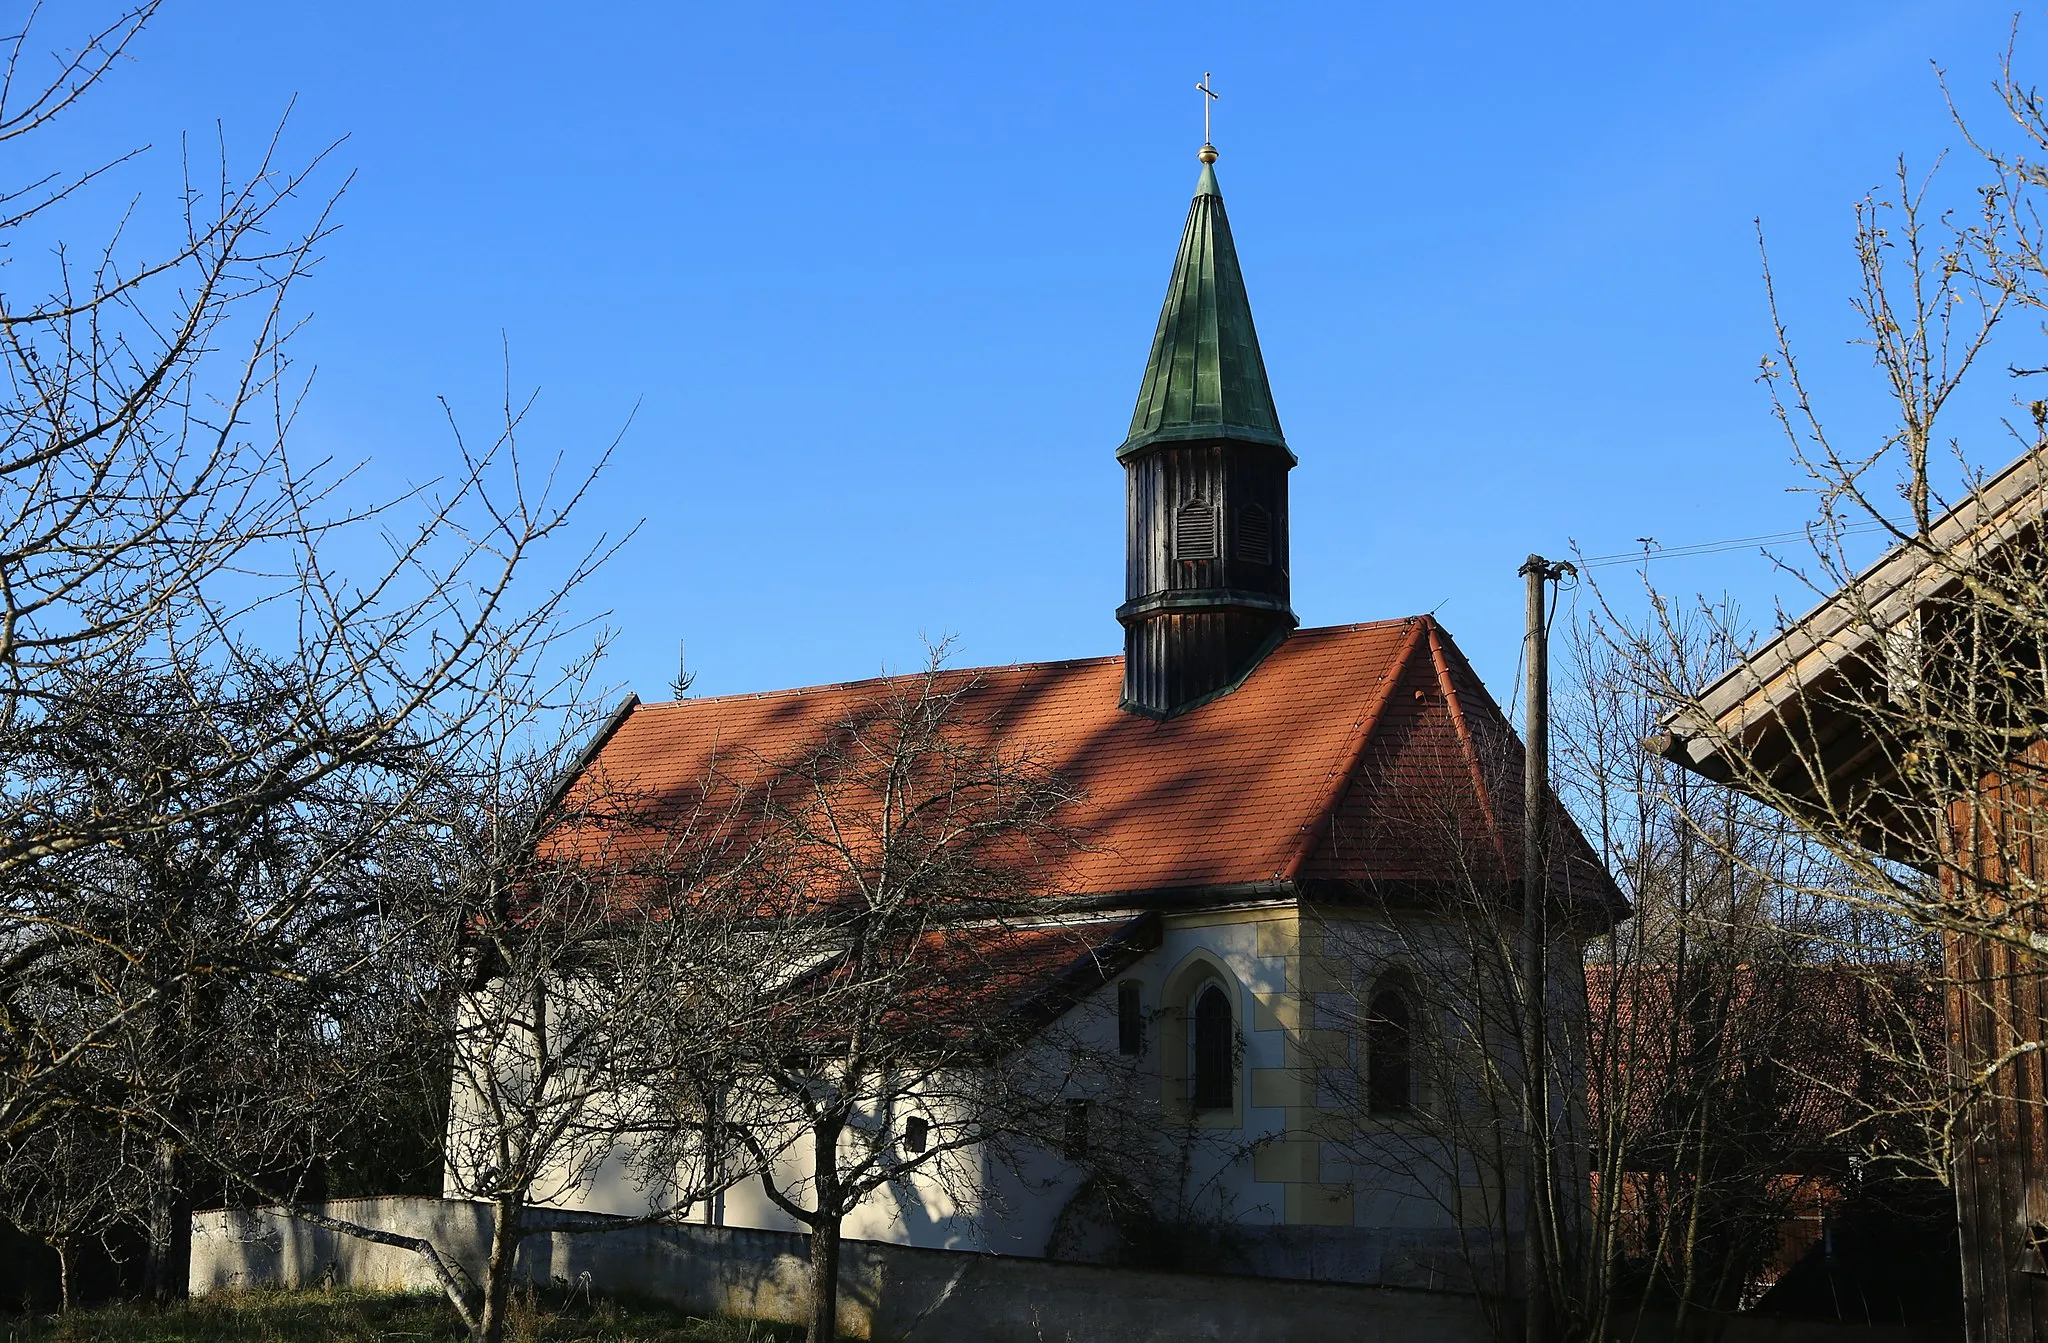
1207,153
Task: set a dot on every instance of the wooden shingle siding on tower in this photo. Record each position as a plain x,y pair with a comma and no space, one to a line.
1229,479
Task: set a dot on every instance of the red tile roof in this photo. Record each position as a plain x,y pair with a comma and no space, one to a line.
1842,1046
993,976
1332,760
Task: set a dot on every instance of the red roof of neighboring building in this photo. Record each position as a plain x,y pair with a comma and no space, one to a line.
1351,753
1841,1045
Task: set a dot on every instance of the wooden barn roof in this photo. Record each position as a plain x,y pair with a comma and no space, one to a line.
1354,753
1791,712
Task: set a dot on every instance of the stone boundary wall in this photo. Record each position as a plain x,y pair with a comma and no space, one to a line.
888,1292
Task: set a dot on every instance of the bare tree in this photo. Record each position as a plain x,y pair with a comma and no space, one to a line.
1738,1023
577,964
1417,1055
222,741
200,950
153,525
75,1182
1692,1117
613,977
1900,722
919,850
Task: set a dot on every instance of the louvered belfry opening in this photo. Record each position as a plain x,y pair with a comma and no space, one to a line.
1254,535
1194,532
1205,469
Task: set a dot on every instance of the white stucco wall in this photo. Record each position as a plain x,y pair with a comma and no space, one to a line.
1255,1166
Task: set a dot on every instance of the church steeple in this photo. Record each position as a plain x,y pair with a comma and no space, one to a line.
1205,468
1205,378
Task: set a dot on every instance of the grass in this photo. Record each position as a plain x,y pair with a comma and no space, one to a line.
345,1314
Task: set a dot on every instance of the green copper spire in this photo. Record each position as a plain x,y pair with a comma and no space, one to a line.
1205,378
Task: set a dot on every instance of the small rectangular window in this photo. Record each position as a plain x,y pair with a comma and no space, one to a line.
916,1135
1130,1019
1075,1145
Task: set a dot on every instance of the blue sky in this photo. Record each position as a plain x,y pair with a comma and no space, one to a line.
880,281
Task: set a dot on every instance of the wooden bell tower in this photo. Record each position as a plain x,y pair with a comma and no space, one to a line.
1205,471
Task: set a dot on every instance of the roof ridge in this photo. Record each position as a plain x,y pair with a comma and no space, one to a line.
858,682
799,691
1440,651
1472,678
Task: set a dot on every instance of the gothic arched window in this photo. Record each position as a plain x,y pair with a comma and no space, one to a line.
1390,1053
1215,1041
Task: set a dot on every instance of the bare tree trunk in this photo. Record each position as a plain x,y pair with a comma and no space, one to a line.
506,1232
167,1269
63,1249
824,1325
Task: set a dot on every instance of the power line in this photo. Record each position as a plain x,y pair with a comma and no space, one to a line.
1652,551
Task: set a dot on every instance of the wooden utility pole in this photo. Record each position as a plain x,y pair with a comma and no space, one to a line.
1538,1165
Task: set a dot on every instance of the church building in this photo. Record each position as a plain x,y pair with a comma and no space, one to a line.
1279,820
